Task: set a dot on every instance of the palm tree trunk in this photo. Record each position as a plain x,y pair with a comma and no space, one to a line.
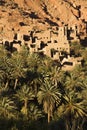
16,81
36,90
25,106
67,127
73,125
67,124
6,85
48,116
78,124
81,124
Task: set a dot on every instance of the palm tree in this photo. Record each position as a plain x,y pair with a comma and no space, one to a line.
45,69
72,110
54,74
84,88
5,66
78,70
33,61
2,73
73,81
34,112
24,53
46,64
48,96
25,95
35,82
7,107
3,91
8,71
18,68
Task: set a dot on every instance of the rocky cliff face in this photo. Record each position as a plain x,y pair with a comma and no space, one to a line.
40,14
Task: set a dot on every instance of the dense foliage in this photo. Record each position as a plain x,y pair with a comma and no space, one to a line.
36,94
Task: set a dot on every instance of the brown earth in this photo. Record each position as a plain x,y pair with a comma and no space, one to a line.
40,14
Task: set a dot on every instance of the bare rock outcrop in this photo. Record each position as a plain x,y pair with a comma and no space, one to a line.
42,14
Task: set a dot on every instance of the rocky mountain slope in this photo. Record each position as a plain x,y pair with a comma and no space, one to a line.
41,14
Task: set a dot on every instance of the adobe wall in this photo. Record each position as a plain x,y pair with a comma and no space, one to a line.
44,40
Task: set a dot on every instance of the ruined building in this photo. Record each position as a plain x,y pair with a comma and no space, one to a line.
49,42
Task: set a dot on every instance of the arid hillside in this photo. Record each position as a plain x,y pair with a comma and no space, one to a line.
41,14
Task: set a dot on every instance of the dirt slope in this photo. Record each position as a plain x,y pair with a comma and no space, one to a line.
41,14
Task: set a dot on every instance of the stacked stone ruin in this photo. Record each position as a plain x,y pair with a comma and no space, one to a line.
50,42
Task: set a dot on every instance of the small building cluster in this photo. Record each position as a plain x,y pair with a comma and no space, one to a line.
51,42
